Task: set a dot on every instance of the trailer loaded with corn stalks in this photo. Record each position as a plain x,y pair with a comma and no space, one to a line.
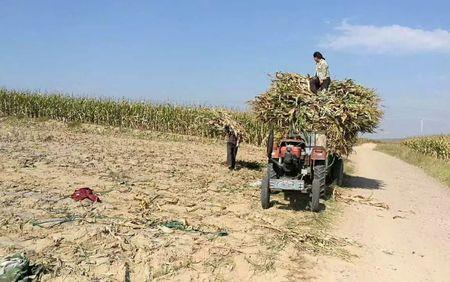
310,133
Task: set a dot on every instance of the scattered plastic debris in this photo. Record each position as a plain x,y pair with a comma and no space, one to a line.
52,222
17,268
85,193
177,225
256,183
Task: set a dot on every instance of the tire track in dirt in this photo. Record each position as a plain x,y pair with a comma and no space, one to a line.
409,241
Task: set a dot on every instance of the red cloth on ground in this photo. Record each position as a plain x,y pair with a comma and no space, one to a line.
85,193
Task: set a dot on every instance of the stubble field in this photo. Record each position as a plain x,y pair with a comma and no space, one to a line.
170,208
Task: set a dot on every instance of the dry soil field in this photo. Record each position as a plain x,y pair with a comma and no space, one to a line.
170,208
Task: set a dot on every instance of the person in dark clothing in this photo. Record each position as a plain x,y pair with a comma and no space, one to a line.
316,86
321,81
232,147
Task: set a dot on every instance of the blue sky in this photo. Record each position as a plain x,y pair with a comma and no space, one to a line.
220,52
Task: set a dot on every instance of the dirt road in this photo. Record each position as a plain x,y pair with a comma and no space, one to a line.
409,241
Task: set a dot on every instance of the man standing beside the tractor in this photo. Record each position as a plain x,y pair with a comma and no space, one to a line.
321,81
232,147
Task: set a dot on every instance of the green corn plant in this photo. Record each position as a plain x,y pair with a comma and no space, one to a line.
435,146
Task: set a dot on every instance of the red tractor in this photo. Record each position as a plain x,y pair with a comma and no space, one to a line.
300,164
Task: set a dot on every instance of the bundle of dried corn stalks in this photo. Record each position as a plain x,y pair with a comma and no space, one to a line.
223,122
343,111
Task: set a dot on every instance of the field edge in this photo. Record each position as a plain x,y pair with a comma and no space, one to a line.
436,168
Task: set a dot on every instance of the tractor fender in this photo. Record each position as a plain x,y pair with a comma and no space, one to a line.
318,153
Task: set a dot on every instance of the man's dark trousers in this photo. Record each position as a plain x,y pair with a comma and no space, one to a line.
231,154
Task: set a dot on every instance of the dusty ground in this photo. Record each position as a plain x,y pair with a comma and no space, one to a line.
394,225
400,218
146,180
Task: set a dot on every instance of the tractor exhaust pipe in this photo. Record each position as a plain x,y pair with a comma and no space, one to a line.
279,170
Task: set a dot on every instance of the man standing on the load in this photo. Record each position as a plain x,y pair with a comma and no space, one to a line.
321,81
232,147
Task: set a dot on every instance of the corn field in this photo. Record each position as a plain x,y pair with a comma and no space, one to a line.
189,120
436,146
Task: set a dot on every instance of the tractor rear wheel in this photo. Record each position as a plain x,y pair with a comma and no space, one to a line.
265,188
318,186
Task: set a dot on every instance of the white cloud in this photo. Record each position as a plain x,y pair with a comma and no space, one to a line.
388,39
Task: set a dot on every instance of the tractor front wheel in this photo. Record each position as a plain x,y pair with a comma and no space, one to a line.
318,185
